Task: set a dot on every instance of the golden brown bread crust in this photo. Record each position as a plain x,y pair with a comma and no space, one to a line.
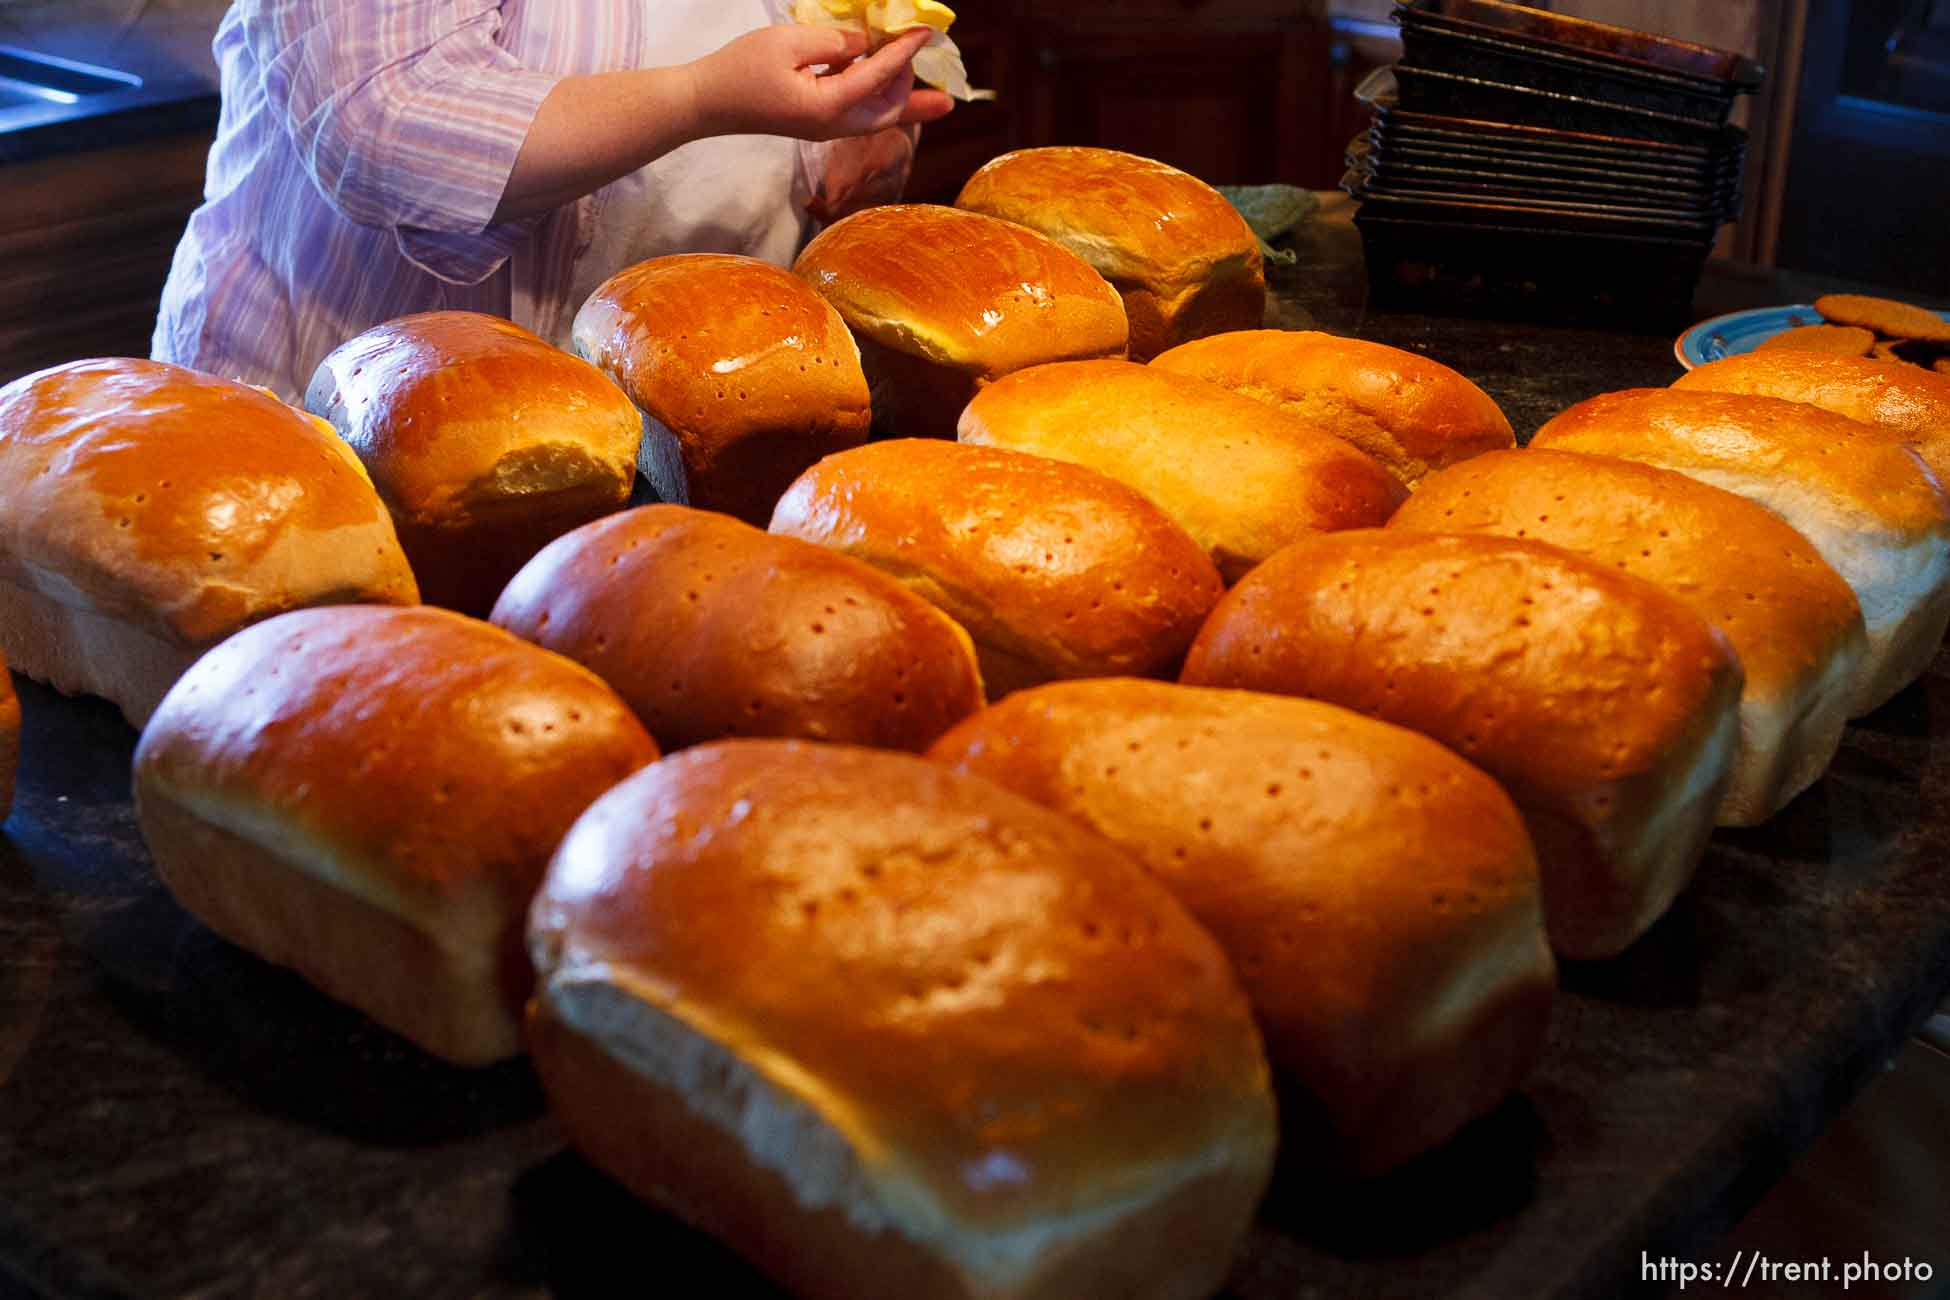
1894,394
1054,569
412,764
485,442
944,301
146,505
1606,707
643,1133
9,740
971,1027
712,628
743,373
1377,894
1866,501
1791,619
1412,414
1242,477
1182,258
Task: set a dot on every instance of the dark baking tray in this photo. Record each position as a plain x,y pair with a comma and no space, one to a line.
1628,50
1392,136
1428,45
1484,191
1586,179
1399,166
1420,257
1430,90
1605,219
1726,142
178,1119
1373,172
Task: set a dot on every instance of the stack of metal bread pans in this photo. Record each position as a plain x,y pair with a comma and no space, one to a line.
1530,163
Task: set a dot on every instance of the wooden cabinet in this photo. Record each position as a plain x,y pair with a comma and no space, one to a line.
85,244
1233,91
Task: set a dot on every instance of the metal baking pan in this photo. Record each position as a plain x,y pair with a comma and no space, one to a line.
1428,90
1427,46
1630,50
1395,174
1405,163
1705,174
1408,148
1420,169
1622,220
1380,89
1429,264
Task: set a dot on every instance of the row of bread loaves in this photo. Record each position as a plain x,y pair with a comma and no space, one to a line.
721,377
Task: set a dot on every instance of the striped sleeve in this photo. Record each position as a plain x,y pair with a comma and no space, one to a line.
406,115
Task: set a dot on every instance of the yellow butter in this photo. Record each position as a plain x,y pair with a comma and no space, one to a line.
939,62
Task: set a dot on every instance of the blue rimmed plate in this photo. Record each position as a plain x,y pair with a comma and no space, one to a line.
1741,331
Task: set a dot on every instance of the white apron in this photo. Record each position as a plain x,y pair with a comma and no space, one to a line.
727,194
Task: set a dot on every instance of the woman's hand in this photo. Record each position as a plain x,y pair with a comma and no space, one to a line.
863,170
592,129
768,82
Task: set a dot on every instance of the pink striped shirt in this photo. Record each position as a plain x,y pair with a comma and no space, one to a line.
363,148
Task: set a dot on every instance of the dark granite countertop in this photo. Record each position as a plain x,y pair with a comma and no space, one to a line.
178,1119
76,81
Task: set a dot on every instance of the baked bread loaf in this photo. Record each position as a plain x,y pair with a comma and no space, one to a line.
744,375
370,797
1055,570
1792,620
1242,477
1912,401
891,1031
711,628
1412,414
485,442
1867,502
942,302
9,740
1376,894
148,511
1182,258
1537,665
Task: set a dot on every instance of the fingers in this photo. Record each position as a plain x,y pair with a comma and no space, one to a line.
893,60
834,47
927,106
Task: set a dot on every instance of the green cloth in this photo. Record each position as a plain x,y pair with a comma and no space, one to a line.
1271,211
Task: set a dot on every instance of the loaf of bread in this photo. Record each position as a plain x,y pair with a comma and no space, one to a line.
1412,414
9,740
1912,401
1377,895
1055,570
891,1031
370,796
711,628
1792,620
1242,477
943,302
1182,258
148,511
1607,708
485,442
744,375
1866,501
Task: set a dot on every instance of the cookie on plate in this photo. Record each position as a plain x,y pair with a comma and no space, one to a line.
1885,316
1850,340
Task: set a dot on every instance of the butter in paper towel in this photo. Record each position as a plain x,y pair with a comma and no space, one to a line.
939,62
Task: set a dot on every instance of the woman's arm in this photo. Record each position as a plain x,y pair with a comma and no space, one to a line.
590,130
403,113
